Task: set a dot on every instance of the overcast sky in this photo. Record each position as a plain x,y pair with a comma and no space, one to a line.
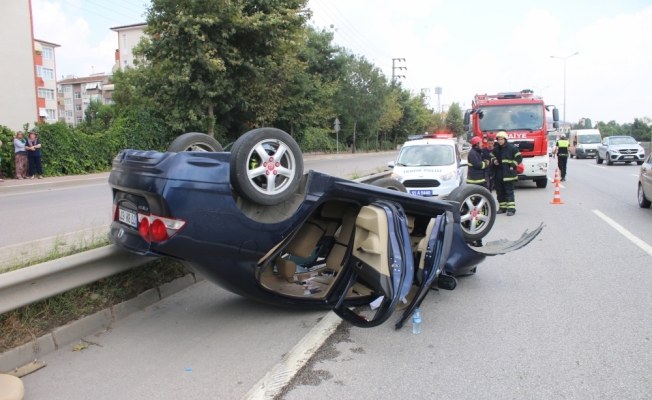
464,47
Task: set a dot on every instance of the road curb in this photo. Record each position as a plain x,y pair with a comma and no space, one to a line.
33,187
100,321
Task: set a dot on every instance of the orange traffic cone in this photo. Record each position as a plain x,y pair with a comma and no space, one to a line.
557,198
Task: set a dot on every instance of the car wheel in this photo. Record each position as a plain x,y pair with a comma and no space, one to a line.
194,141
266,166
391,184
609,162
642,201
639,162
598,160
571,155
541,183
477,210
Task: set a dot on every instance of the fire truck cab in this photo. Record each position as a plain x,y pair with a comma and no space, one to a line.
523,116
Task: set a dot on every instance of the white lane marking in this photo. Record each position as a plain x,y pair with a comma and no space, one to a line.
646,247
596,166
283,372
52,190
553,181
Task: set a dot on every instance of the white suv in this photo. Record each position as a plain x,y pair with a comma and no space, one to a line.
430,167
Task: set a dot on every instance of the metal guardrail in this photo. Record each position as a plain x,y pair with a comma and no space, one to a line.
38,282
29,285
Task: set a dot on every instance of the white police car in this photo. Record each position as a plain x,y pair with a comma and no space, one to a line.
430,167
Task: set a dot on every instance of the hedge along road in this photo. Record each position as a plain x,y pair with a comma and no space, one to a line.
77,210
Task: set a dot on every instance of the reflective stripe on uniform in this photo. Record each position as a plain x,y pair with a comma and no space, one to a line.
476,180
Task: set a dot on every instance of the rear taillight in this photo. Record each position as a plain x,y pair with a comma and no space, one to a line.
154,228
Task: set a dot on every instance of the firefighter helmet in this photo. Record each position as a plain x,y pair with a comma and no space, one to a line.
475,140
502,134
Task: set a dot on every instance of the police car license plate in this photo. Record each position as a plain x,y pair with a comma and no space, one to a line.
128,217
421,192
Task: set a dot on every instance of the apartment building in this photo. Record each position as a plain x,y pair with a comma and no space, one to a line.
18,104
128,38
46,84
75,94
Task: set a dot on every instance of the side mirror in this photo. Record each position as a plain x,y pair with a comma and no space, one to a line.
390,164
555,124
467,128
555,114
467,119
464,163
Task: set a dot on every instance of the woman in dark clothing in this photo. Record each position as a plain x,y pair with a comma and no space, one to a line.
477,165
20,155
34,155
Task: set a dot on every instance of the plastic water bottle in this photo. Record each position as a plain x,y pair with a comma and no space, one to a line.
416,322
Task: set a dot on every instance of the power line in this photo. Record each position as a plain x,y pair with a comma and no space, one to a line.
124,6
106,8
361,35
91,12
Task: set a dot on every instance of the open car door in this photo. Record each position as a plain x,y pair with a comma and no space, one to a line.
379,267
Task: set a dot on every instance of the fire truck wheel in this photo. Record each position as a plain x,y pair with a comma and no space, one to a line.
477,210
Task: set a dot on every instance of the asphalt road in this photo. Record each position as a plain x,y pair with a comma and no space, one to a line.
36,214
566,317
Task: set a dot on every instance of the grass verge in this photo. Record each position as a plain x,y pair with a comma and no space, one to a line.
30,322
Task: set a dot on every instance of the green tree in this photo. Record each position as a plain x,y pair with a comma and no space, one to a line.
454,120
362,94
199,57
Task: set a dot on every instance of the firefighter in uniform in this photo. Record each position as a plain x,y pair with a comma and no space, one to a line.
506,160
486,155
476,171
561,148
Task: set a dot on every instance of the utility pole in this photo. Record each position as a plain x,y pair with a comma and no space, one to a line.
394,67
336,126
564,59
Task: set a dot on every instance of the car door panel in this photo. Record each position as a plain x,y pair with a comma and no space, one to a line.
379,261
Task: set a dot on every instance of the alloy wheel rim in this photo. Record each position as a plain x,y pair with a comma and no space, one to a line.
271,166
475,212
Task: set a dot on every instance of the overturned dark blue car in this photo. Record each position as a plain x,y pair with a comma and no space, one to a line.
252,222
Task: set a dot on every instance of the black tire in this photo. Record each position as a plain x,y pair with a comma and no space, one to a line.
598,160
256,151
571,155
483,205
642,201
609,162
639,162
194,141
541,183
391,184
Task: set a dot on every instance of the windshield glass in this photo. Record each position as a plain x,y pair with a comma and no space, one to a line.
588,139
622,140
429,155
512,118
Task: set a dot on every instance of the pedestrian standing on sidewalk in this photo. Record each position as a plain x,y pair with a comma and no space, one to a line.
20,155
487,155
34,155
561,148
506,161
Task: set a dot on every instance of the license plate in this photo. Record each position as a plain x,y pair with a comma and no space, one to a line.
628,157
128,217
421,192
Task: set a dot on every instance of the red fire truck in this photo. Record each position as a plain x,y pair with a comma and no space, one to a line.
523,116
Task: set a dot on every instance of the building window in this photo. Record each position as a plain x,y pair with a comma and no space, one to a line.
78,120
126,63
68,101
47,74
47,94
67,89
124,41
47,53
68,113
52,115
59,88
78,95
77,107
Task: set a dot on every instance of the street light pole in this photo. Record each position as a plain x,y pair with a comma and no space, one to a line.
565,58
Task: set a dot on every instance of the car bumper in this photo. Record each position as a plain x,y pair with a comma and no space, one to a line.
616,157
440,191
585,153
